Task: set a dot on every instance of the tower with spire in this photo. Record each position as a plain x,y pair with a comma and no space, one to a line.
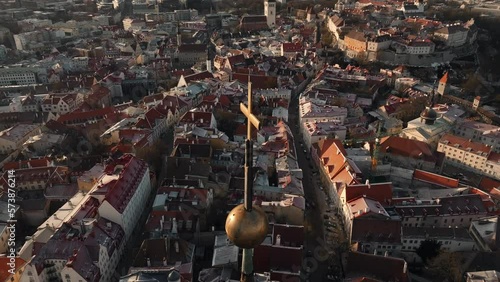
443,86
246,224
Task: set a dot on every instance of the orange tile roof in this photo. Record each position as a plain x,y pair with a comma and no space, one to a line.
444,79
407,148
491,186
332,154
436,179
4,267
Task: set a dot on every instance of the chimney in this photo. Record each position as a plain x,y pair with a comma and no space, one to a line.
367,210
177,246
278,240
148,261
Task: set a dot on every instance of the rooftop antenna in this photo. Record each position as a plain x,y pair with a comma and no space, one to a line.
247,225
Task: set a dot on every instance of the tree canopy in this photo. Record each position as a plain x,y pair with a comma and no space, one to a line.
428,250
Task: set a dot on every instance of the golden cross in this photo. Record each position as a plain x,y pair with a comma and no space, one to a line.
247,111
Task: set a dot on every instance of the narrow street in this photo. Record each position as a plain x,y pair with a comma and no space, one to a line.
317,257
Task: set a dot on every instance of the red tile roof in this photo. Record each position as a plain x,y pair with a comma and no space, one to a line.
258,81
494,157
198,76
48,174
407,148
381,192
119,192
465,144
236,60
82,117
201,119
332,156
491,186
267,257
149,119
436,179
292,47
5,268
388,269
32,163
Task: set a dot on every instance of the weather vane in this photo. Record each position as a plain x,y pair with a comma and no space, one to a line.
247,225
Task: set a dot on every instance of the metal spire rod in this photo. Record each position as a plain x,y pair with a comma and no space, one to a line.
252,122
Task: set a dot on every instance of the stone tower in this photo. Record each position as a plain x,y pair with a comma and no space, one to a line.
270,12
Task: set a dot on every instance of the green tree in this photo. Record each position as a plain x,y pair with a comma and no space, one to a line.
447,266
428,250
471,84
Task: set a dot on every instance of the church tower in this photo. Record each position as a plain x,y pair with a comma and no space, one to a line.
443,85
270,12
179,35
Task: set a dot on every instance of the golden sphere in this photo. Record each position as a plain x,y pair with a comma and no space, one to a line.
247,229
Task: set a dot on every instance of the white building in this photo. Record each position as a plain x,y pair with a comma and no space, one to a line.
492,165
273,93
38,40
133,24
310,112
316,131
59,104
451,239
22,76
428,128
84,240
479,132
464,153
13,138
281,113
126,179
452,35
